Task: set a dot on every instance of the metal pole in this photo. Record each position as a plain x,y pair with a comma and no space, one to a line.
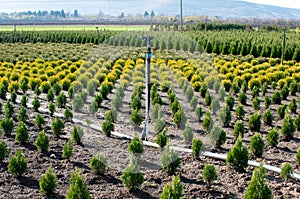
148,85
283,46
181,17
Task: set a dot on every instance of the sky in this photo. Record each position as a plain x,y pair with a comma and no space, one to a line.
281,3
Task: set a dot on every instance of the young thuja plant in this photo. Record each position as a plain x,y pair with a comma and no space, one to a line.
136,117
18,164
286,171
273,137
22,133
239,129
22,115
68,115
230,102
160,124
57,126
254,123
288,127
39,121
215,106
162,138
170,160
77,188
132,177
61,100
276,98
24,100
48,182
108,127
293,106
4,151
225,116
67,150
6,126
258,187
209,174
36,104
238,156
188,134
256,104
180,119
173,190
281,111
240,112
197,147
198,113
51,108
50,95
208,122
136,147
13,96
267,101
42,142
8,109
268,117
242,97
257,145
98,164
77,134
217,136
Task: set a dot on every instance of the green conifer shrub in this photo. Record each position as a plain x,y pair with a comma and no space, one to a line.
67,150
254,123
77,188
209,174
173,190
4,150
197,147
22,115
132,178
238,156
57,126
273,137
188,134
288,127
267,101
276,97
18,164
257,145
217,136
48,182
208,122
258,187
6,126
42,142
239,129
22,133
162,138
242,97
268,117
170,160
286,171
98,164
77,134
240,112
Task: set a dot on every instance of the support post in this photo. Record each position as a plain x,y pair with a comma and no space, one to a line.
181,17
145,132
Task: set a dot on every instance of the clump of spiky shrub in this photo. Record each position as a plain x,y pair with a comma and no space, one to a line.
162,138
180,119
293,106
268,117
77,188
198,113
242,97
48,182
284,92
57,126
67,150
238,156
61,100
230,102
254,123
173,190
132,178
108,127
288,128
257,145
276,97
258,187
197,147
239,129
256,104
225,116
188,134
22,115
217,136
170,160
68,115
156,111
98,164
286,171
240,112
136,117
77,134
281,111
209,174
215,106
42,142
267,101
6,126
160,124
18,164
22,133
136,147
208,122
208,98
24,100
4,150
8,109
273,137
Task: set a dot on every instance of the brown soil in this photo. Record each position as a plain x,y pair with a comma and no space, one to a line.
230,184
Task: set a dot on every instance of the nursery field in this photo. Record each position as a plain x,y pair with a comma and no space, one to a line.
62,102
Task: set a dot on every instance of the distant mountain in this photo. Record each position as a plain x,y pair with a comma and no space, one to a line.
220,8
230,9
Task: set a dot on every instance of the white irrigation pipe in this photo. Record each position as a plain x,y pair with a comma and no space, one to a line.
180,149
